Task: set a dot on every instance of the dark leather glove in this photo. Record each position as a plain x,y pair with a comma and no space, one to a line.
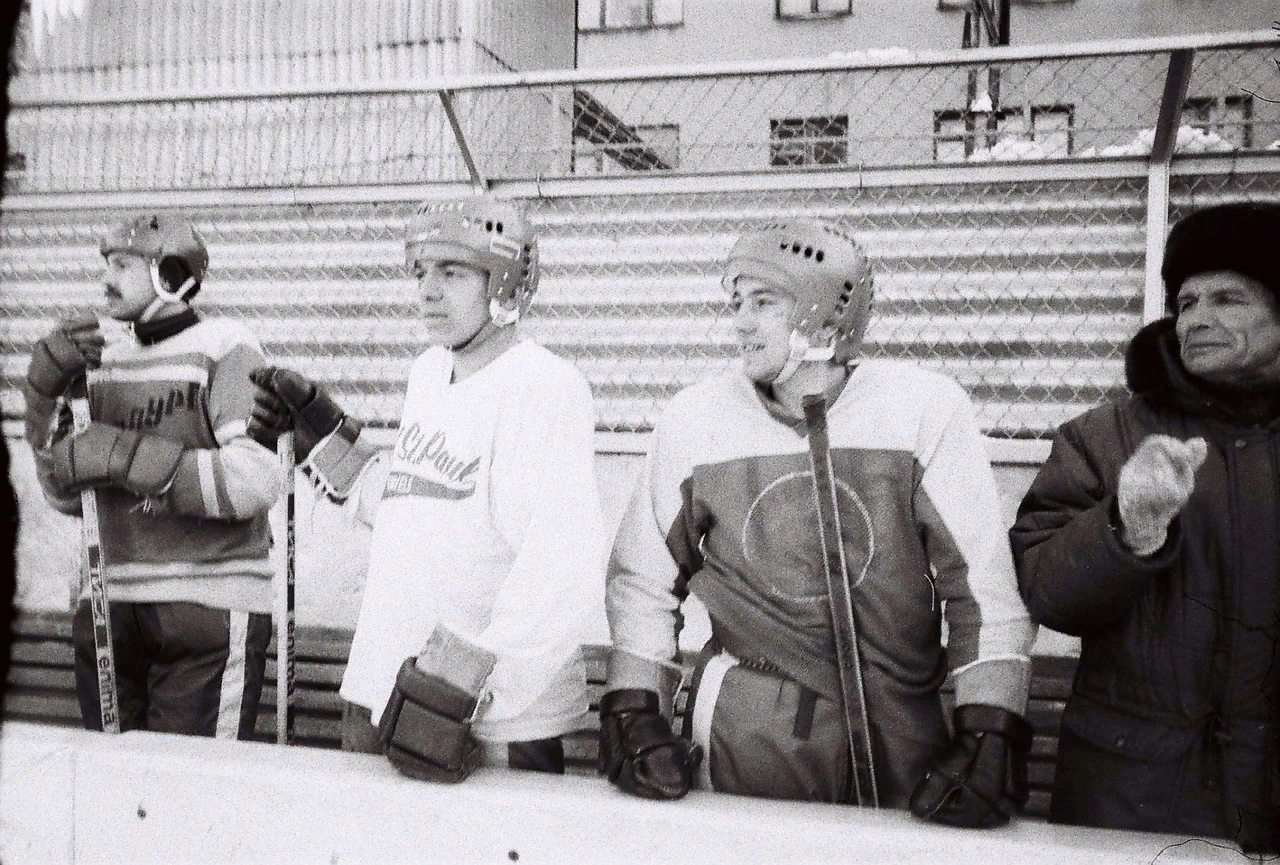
981,779
284,400
63,356
638,751
106,455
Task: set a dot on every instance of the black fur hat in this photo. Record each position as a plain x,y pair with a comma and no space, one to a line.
1242,237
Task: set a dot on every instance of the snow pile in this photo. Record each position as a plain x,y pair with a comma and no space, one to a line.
1015,142
1190,140
891,53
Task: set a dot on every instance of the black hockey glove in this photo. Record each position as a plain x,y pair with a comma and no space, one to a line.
638,751
284,400
425,730
981,779
63,356
106,455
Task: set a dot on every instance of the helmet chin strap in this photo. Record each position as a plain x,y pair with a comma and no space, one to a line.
801,351
499,317
164,294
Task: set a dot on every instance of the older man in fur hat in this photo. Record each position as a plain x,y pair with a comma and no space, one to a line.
1153,533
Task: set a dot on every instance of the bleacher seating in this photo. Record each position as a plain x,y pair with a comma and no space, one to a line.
42,689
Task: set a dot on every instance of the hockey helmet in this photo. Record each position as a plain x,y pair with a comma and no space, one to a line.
159,238
487,233
825,269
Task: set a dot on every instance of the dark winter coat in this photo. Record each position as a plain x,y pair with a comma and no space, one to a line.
1178,658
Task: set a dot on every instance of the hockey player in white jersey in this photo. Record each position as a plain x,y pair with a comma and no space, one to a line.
487,551
726,509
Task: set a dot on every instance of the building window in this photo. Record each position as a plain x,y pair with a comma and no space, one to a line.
629,14
649,148
957,133
812,8
1053,130
809,140
1230,118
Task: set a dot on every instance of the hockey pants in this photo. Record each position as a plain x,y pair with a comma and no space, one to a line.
180,667
763,734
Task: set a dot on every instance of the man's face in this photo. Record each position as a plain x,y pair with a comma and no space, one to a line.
1229,329
127,285
762,320
453,299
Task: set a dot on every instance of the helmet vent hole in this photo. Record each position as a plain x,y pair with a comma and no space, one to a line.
488,225
498,225
817,256
795,248
808,252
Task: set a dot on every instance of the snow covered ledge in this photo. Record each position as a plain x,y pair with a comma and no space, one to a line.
67,796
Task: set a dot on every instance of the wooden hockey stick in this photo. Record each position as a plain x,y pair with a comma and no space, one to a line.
857,727
285,636
99,605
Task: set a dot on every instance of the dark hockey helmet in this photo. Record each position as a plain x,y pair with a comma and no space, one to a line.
487,233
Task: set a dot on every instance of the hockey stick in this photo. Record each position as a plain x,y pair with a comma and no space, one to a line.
285,655
857,727
108,696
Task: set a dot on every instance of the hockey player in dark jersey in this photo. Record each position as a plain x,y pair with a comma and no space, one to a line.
725,510
182,492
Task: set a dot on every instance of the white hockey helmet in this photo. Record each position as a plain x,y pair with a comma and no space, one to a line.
487,233
828,273
163,240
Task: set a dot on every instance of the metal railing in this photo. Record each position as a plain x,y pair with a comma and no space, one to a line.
1042,103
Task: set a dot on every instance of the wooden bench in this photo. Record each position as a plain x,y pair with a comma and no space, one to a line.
42,689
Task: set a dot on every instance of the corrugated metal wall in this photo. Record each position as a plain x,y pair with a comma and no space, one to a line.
125,45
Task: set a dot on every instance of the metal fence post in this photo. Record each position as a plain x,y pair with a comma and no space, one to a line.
1162,147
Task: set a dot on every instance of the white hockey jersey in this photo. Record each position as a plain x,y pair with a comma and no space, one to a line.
486,517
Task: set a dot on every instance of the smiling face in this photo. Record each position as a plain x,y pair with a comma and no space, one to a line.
762,321
452,297
1228,329
127,286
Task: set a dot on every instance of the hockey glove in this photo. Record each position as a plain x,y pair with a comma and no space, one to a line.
425,730
63,356
981,779
106,455
284,400
638,751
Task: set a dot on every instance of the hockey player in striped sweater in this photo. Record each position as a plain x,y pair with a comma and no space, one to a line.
725,510
487,552
183,493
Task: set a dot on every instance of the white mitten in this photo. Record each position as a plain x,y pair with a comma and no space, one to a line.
1154,484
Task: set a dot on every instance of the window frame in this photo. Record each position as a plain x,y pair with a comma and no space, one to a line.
813,14
811,145
601,24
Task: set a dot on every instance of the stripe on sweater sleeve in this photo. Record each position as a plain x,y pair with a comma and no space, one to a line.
958,508
646,583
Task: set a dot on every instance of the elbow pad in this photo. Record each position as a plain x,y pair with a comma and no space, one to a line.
335,464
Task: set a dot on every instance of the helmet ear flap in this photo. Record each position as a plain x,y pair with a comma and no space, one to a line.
178,278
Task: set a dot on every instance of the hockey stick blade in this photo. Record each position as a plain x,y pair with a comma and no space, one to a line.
844,623
99,605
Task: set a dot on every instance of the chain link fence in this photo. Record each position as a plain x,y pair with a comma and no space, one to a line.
916,113
1026,292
